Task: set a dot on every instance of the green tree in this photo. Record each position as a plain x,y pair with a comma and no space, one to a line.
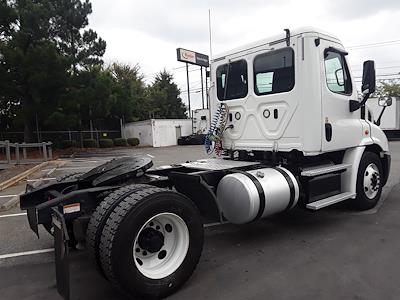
32,69
83,47
164,98
389,88
42,44
129,93
88,99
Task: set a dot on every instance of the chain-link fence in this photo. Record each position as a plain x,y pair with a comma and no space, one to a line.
58,137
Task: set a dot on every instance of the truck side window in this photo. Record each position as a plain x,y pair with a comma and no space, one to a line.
337,73
274,72
232,84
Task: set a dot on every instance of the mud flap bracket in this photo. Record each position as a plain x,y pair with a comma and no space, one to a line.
61,251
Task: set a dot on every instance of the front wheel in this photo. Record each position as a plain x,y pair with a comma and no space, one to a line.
151,243
369,182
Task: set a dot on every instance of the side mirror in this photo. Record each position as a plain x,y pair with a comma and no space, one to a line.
385,101
368,78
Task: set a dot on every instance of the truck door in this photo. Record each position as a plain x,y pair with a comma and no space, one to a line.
340,127
262,99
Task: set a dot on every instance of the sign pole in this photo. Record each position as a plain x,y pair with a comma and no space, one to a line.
206,90
202,89
188,93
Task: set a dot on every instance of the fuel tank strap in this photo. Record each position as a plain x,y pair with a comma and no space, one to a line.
291,187
260,191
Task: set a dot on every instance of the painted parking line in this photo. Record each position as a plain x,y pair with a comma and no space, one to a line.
12,215
50,172
214,224
7,196
40,179
27,253
86,161
149,155
68,168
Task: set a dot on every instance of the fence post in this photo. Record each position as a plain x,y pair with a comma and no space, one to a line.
17,153
44,151
50,150
8,154
23,151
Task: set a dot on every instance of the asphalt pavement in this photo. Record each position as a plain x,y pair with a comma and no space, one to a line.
329,254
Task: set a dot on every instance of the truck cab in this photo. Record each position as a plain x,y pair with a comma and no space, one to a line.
290,92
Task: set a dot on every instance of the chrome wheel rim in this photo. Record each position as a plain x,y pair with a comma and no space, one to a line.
161,245
372,181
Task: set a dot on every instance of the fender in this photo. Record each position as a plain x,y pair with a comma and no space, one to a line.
379,137
349,178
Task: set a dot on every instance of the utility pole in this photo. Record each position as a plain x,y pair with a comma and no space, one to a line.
202,90
188,92
91,123
207,104
37,129
209,31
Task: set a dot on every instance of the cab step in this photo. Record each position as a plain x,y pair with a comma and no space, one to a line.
321,170
330,200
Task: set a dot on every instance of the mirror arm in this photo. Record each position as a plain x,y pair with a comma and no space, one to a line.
355,105
378,122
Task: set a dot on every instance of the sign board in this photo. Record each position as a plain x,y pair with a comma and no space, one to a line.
192,57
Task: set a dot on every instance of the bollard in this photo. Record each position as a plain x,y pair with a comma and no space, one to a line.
8,154
24,151
44,151
17,153
50,151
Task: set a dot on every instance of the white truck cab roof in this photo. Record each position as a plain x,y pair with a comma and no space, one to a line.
305,31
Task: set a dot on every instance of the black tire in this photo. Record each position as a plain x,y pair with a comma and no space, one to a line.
362,201
100,216
122,227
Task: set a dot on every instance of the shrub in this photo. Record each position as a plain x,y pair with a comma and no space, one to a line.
133,141
120,142
65,144
106,143
89,143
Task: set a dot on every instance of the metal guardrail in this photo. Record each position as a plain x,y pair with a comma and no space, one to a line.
45,148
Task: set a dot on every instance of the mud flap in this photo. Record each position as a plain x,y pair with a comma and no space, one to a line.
61,251
33,220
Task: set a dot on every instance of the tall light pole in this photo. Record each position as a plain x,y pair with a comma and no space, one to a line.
202,89
188,92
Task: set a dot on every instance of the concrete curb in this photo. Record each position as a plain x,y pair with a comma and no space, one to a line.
19,177
9,204
14,180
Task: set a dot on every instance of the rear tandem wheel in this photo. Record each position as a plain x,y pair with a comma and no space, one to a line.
101,214
151,243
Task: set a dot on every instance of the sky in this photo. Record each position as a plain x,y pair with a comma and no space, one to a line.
148,32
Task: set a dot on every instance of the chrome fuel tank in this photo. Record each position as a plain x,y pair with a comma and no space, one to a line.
250,195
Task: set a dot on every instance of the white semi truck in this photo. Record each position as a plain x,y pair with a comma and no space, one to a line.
287,132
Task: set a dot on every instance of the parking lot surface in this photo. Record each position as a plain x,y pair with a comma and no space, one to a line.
330,254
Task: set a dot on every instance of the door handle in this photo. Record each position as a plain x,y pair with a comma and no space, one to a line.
275,113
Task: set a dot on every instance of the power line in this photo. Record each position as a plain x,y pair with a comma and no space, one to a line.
378,68
373,45
382,75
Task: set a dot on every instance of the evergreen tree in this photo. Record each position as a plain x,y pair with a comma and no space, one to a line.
164,98
42,44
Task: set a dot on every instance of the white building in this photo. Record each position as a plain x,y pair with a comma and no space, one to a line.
158,132
201,121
